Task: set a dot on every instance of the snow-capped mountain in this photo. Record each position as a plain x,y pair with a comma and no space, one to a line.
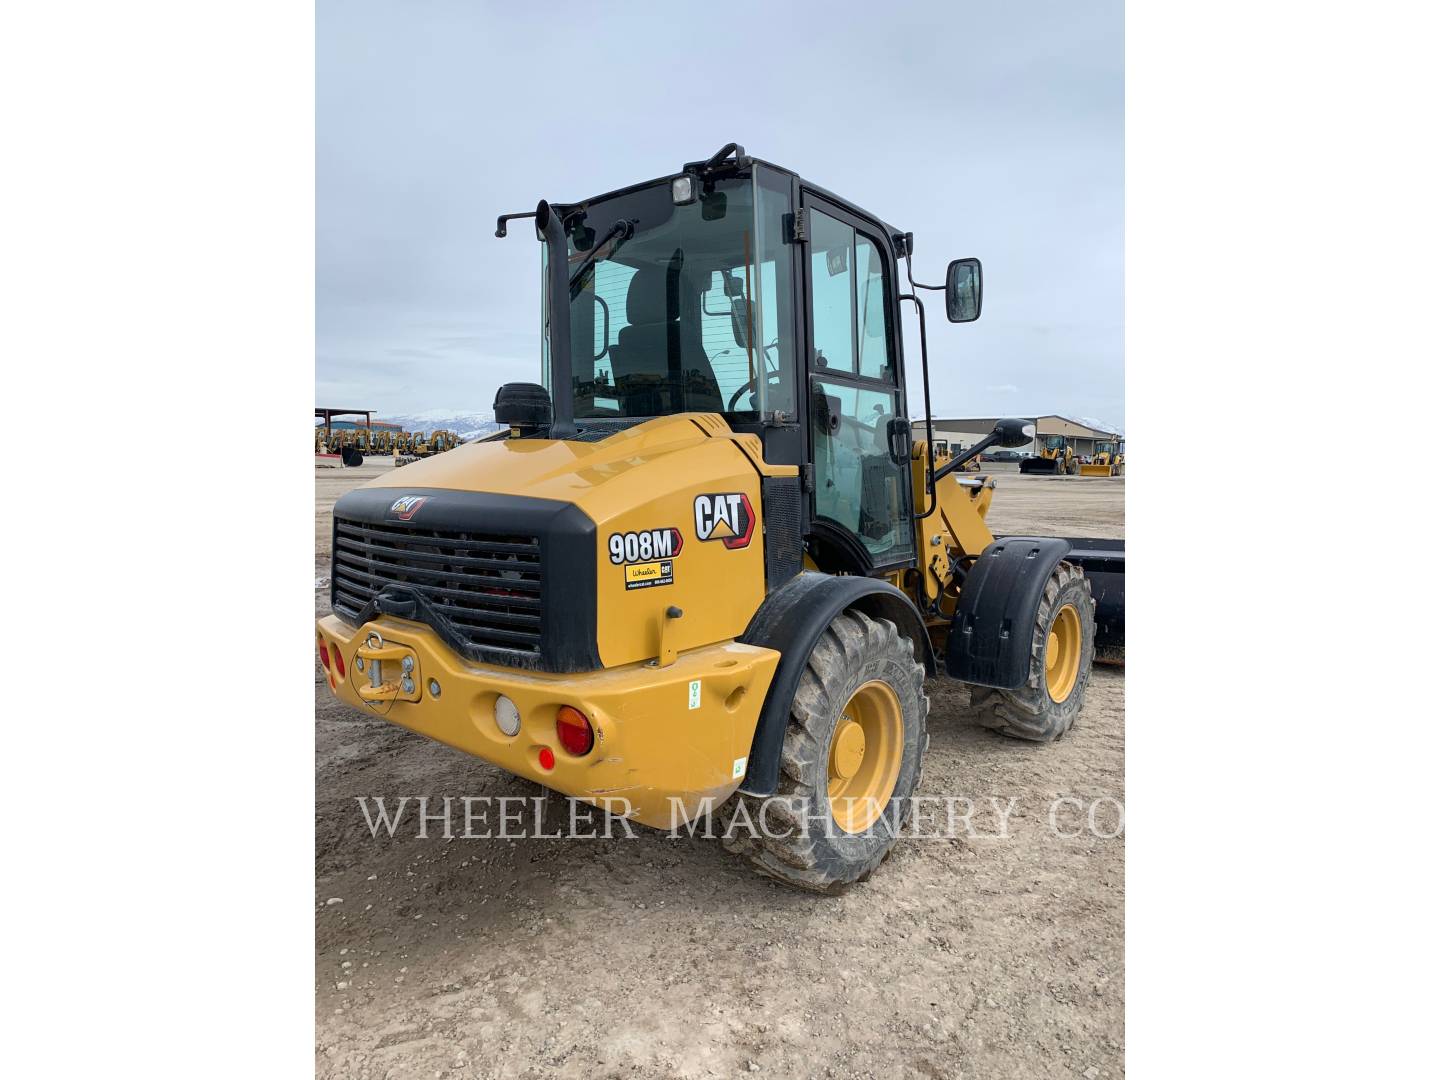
467,425
1099,425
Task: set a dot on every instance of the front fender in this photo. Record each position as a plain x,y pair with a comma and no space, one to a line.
791,620
990,636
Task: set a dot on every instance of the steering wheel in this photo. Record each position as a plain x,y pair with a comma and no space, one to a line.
772,378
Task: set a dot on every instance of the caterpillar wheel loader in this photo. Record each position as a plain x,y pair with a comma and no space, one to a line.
1055,458
708,570
1108,461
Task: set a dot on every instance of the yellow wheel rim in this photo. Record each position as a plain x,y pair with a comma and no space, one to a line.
865,756
1062,654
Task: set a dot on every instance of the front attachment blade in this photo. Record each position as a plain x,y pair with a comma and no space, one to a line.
1104,564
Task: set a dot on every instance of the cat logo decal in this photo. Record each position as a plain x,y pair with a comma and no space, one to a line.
727,517
405,507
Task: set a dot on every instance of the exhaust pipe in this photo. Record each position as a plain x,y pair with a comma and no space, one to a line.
562,385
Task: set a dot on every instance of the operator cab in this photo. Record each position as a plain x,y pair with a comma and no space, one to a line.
738,288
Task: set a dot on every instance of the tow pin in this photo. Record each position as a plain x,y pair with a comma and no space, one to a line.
373,640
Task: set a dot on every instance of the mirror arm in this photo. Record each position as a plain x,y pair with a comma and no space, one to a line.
503,218
925,379
969,455
915,284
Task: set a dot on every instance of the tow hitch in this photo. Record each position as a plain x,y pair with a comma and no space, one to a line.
385,671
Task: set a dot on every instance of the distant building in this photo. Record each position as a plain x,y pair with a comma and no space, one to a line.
963,432
352,425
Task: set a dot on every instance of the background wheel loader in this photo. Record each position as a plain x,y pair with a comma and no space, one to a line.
709,570
1108,461
1055,457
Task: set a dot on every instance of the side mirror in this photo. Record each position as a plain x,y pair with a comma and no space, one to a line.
963,290
1010,432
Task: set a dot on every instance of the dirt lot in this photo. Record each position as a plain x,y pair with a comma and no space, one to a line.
997,954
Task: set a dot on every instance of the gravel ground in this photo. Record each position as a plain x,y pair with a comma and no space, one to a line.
999,953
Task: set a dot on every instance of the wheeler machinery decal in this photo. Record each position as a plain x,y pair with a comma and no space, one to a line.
648,575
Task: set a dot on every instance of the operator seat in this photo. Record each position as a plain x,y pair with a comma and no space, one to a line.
659,362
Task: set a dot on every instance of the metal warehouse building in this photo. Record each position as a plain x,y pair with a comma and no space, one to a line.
963,432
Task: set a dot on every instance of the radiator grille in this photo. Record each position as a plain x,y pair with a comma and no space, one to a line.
487,588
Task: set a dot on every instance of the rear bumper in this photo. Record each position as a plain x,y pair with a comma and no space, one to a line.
665,738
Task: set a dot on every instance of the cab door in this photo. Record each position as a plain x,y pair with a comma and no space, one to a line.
860,434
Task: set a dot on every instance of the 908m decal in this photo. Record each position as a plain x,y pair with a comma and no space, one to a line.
647,556
643,546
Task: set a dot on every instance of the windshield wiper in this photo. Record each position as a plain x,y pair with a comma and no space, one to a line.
621,231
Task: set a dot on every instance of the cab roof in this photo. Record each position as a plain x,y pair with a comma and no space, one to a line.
739,165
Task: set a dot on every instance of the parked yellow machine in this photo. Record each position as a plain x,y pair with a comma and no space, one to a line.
709,568
416,445
1055,457
1109,460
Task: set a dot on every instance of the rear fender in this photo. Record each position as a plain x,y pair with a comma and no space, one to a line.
791,620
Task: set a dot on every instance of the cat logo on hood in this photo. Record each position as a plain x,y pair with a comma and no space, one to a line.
405,507
726,517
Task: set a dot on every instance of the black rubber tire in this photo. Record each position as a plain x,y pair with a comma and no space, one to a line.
1030,713
351,457
805,850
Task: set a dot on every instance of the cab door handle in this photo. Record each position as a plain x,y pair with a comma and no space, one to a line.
898,433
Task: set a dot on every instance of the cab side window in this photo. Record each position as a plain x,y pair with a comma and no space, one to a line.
872,333
858,485
832,288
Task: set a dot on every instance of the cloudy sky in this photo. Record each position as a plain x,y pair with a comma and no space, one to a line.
993,129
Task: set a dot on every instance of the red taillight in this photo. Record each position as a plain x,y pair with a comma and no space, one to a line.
324,655
339,662
576,734
547,758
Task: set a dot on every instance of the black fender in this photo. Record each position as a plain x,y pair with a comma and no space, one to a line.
990,636
790,621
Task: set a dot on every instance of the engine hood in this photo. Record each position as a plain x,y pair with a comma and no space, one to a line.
598,510
599,476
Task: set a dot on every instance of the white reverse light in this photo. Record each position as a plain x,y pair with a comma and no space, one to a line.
507,716
682,190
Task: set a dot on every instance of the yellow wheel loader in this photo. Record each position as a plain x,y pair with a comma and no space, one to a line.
1108,461
1055,458
708,570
